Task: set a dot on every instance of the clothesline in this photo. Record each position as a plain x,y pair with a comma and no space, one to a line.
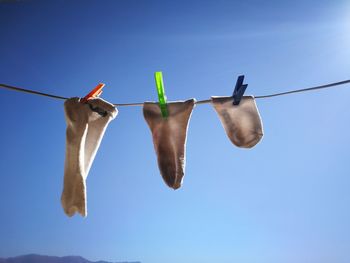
85,130
325,86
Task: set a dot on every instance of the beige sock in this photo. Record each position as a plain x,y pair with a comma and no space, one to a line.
85,130
241,122
169,138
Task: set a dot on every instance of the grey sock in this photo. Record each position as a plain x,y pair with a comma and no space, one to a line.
242,122
169,138
85,130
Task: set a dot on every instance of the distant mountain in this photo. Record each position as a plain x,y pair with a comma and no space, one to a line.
33,258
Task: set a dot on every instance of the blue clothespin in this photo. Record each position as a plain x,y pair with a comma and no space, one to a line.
239,90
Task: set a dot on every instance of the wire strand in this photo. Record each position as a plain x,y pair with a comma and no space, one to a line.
32,92
198,102
303,90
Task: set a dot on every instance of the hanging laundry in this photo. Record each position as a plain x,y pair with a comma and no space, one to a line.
169,138
241,122
86,125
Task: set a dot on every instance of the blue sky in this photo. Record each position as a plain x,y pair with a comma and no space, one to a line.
286,200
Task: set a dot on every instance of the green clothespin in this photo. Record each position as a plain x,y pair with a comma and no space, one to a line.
161,93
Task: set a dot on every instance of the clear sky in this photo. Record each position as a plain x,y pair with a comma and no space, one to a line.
286,200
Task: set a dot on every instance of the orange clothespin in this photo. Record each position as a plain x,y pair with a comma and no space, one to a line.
96,92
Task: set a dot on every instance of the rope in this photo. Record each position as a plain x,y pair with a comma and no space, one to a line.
198,102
